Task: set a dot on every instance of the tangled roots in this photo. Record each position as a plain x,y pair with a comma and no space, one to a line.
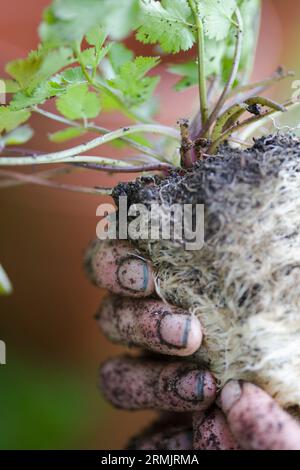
244,284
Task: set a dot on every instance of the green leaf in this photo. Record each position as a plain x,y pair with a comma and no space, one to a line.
216,16
10,119
66,134
132,83
72,76
216,53
119,18
5,284
88,57
250,12
55,86
119,55
24,70
169,23
39,66
70,20
108,103
79,103
189,72
219,53
139,138
96,37
11,86
92,56
18,136
39,95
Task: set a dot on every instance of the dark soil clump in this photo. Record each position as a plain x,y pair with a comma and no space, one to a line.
244,283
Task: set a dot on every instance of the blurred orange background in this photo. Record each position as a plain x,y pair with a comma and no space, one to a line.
48,387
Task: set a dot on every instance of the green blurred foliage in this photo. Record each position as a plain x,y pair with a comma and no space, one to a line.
44,407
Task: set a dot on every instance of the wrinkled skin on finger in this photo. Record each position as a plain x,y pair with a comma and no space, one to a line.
134,384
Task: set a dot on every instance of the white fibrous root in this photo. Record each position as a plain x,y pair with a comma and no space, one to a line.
244,284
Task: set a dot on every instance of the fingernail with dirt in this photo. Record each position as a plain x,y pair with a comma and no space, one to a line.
191,385
133,274
230,395
181,332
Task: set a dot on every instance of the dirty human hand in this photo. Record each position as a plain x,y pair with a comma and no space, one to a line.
134,316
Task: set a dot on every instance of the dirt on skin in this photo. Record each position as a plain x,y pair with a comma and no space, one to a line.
244,284
211,431
163,435
155,383
119,317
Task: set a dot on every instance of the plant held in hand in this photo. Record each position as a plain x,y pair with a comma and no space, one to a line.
244,283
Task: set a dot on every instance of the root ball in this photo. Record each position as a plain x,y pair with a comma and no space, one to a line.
244,284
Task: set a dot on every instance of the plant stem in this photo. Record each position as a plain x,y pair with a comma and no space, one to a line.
235,111
262,85
7,183
247,122
105,89
53,184
130,114
245,92
55,117
126,169
232,76
20,151
71,159
69,154
99,130
232,114
235,128
201,65
265,102
252,128
196,125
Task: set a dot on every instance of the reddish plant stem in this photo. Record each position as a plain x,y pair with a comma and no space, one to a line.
53,184
21,151
7,183
126,169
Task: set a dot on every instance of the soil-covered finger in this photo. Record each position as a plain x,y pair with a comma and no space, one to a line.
211,431
133,383
151,324
116,266
256,420
170,438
